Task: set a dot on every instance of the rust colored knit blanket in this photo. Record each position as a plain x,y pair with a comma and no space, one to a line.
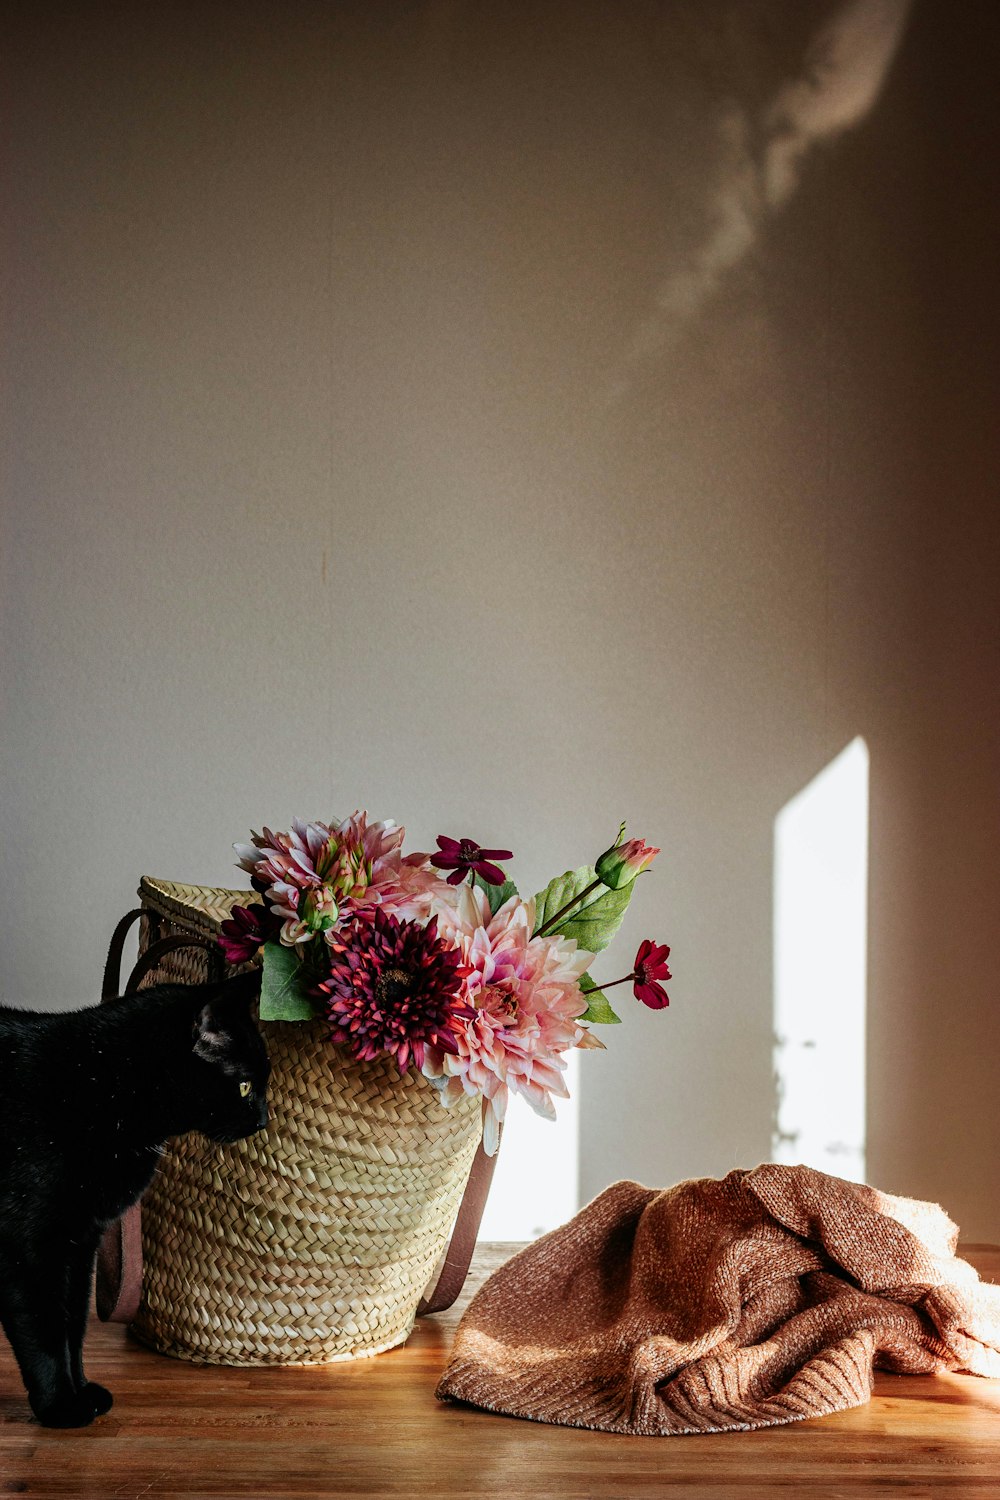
767,1297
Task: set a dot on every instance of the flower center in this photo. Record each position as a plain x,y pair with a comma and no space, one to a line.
497,1001
468,850
392,986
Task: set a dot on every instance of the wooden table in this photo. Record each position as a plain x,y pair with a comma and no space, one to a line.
373,1428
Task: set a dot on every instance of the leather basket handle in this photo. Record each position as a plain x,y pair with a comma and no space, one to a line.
461,1247
119,1255
151,958
111,984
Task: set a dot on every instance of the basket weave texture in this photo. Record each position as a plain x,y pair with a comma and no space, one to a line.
313,1240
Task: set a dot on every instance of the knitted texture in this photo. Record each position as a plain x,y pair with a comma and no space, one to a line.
767,1297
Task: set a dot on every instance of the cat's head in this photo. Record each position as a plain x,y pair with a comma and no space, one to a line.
230,1065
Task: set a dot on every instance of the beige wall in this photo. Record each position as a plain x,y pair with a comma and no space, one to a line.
434,408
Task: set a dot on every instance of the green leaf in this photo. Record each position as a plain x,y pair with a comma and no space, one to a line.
281,996
560,890
598,1010
595,920
496,894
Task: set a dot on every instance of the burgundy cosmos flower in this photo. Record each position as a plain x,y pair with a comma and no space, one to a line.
651,965
462,855
247,929
393,987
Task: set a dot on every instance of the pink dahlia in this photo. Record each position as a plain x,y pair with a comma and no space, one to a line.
393,987
525,1001
319,876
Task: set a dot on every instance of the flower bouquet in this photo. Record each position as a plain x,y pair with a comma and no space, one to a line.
457,976
404,999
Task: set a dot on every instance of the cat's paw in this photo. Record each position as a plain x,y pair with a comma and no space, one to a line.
99,1396
76,1408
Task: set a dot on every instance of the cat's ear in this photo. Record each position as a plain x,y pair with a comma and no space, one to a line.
227,1004
212,1034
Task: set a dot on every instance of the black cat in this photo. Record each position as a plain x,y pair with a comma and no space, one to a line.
88,1099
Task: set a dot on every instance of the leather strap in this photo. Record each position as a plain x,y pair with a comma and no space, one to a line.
119,1255
151,958
113,968
458,1256
119,1268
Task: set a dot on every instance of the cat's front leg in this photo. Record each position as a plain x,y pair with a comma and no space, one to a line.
33,1313
79,1285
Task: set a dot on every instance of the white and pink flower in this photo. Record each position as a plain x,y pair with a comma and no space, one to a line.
526,996
420,968
320,875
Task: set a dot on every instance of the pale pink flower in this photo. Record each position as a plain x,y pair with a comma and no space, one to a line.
420,889
527,1000
319,876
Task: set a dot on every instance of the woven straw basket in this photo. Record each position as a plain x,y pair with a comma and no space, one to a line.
313,1240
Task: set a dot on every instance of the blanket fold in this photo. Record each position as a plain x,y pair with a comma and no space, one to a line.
768,1296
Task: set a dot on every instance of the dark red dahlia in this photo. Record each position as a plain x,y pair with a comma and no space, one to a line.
247,929
393,987
461,856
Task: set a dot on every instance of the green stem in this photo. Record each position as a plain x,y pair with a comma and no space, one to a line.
628,978
553,921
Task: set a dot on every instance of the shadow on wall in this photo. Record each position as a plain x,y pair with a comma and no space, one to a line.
762,151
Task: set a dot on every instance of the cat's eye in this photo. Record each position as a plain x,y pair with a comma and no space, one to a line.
246,1089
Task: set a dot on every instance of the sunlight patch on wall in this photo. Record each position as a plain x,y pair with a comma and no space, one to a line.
820,969
535,1188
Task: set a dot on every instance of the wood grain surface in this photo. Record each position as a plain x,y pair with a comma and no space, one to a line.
373,1428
